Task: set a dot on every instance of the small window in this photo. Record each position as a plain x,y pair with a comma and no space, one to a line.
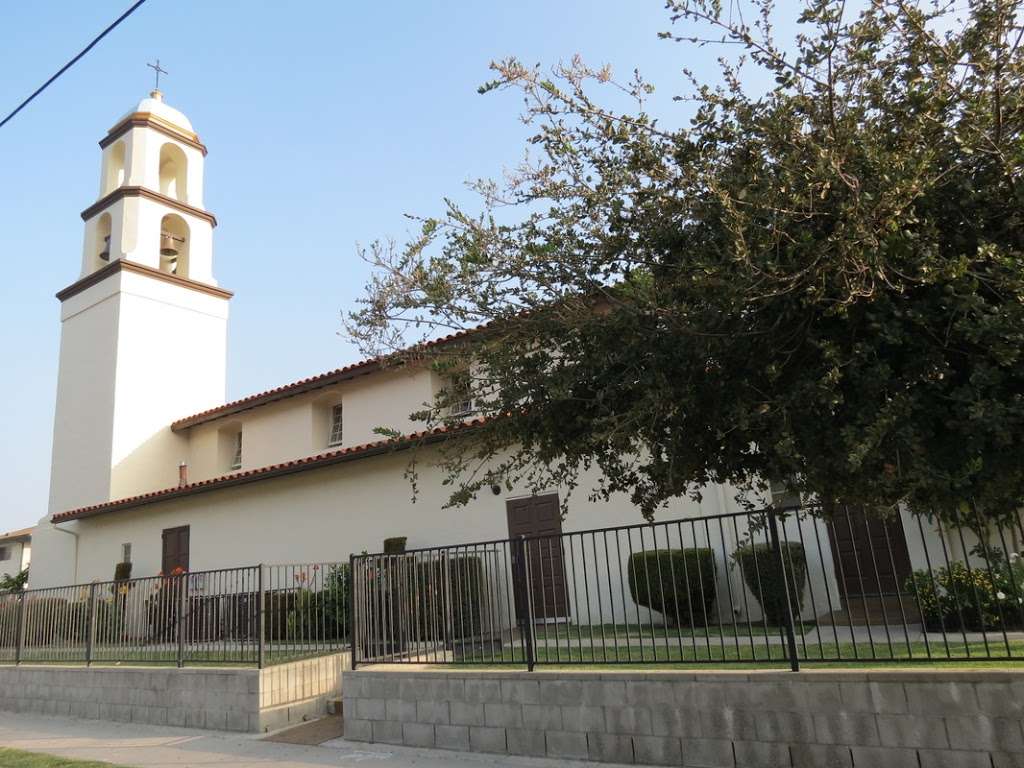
236,456
337,421
5,553
783,496
126,553
460,395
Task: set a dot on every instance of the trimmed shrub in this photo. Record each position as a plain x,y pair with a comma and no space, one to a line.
764,577
449,590
395,545
320,614
680,584
122,571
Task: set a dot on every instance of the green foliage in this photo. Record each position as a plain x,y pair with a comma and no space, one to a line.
448,589
680,584
52,620
122,571
822,279
14,583
320,613
987,595
764,577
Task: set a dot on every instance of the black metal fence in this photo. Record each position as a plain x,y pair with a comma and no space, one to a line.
774,587
255,615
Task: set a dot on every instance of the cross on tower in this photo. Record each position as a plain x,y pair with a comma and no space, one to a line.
159,70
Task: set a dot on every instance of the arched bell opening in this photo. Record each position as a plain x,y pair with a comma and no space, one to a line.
174,245
114,168
101,241
173,172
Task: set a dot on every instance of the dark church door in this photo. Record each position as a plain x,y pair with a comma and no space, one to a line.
175,550
870,553
540,516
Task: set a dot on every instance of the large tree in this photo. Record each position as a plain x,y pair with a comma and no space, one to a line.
821,280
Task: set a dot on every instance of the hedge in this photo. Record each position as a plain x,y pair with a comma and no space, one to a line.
961,599
458,596
761,572
680,584
317,614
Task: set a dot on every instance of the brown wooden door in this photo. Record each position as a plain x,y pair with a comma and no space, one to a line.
870,554
175,550
539,517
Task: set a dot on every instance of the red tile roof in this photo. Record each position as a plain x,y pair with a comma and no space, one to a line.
22,533
307,385
342,455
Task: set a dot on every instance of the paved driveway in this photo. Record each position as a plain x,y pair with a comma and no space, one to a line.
152,746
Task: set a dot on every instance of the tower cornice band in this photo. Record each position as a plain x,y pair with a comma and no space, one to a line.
123,265
120,192
149,120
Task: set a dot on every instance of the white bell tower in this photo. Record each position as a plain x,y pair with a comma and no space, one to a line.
143,329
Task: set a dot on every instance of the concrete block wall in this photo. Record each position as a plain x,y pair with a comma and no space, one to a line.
221,699
218,699
919,719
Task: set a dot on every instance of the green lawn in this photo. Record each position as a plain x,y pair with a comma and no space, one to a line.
15,758
166,657
606,632
729,653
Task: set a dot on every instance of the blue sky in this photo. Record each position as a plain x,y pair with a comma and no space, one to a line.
325,121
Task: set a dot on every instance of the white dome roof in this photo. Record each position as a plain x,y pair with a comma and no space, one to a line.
154,104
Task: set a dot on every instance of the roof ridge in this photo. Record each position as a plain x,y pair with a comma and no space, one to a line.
316,381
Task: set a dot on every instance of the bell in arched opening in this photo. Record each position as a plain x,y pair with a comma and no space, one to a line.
105,253
169,244
174,246
170,248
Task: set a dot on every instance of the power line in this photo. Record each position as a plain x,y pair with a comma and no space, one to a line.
71,63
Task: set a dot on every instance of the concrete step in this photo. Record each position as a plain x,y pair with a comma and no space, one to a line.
877,610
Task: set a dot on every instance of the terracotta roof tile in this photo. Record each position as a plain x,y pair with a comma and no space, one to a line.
21,533
306,385
274,470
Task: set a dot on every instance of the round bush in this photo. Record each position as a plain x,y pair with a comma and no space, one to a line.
679,584
764,577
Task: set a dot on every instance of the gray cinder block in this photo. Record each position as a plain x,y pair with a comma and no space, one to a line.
568,744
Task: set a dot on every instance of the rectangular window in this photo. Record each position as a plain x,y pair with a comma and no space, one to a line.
336,426
783,496
460,395
126,553
236,456
5,553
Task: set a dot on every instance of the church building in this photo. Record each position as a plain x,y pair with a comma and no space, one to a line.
151,465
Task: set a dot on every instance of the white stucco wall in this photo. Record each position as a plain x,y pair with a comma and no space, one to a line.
326,514
172,347
136,353
299,426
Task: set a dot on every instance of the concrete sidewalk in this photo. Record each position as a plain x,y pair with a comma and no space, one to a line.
153,746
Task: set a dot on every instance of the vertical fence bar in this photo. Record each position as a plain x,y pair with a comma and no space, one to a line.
90,624
351,597
261,641
521,590
773,527
182,599
19,631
